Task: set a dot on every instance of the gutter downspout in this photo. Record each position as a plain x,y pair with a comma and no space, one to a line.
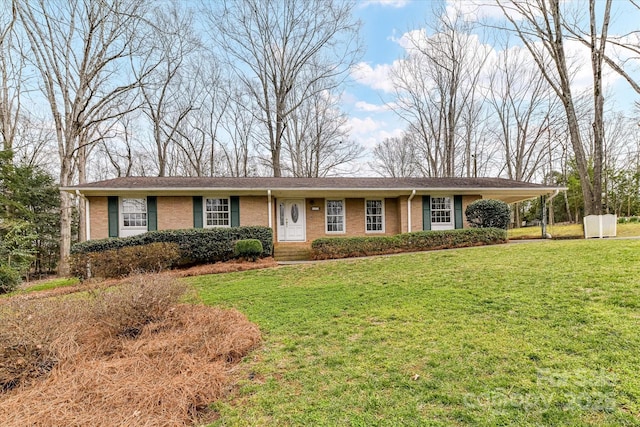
413,194
269,208
87,214
544,217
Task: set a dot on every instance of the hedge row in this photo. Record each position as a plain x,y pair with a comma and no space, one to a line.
196,246
345,247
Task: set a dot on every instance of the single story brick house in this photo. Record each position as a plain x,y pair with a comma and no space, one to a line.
299,210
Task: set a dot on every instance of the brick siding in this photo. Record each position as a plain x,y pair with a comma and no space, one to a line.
99,217
254,211
466,201
175,212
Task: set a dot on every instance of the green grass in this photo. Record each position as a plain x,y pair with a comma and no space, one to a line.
50,284
570,231
544,333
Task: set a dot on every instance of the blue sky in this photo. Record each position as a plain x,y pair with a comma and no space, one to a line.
385,21
382,22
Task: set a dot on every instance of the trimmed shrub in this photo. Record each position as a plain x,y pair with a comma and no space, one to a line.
196,245
249,249
345,247
486,213
9,279
151,258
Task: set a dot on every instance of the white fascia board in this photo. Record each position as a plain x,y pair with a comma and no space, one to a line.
97,191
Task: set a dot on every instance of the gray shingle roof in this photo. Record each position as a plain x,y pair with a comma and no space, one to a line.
148,183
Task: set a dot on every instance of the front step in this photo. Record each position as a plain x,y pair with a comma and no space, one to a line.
292,253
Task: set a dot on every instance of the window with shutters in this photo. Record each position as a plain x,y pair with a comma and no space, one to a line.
217,212
134,213
441,210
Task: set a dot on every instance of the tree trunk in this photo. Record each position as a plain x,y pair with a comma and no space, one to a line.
586,184
597,56
66,174
567,206
82,179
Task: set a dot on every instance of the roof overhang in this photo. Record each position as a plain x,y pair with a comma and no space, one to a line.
508,195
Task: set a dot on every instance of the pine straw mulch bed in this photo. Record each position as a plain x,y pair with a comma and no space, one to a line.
128,356
198,270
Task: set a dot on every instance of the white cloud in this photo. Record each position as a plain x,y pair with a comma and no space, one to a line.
375,77
369,141
372,108
392,133
580,65
363,126
385,3
369,131
473,10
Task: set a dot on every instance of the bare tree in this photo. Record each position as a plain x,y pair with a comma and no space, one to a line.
524,112
34,144
240,126
198,134
624,58
280,47
80,49
316,140
121,160
473,133
541,25
11,65
524,109
436,86
395,157
169,90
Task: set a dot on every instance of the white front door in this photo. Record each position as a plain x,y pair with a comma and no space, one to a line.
291,221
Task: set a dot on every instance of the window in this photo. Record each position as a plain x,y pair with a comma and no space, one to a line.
217,213
441,210
374,216
134,213
335,216
282,214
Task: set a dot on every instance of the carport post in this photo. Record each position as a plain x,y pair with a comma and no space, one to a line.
543,202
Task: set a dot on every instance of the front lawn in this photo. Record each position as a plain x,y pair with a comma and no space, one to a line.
533,334
570,231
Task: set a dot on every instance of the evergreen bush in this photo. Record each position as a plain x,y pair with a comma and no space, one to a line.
486,213
9,279
249,249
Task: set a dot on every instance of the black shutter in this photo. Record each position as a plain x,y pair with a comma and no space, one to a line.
197,211
152,213
112,209
426,212
235,211
457,208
